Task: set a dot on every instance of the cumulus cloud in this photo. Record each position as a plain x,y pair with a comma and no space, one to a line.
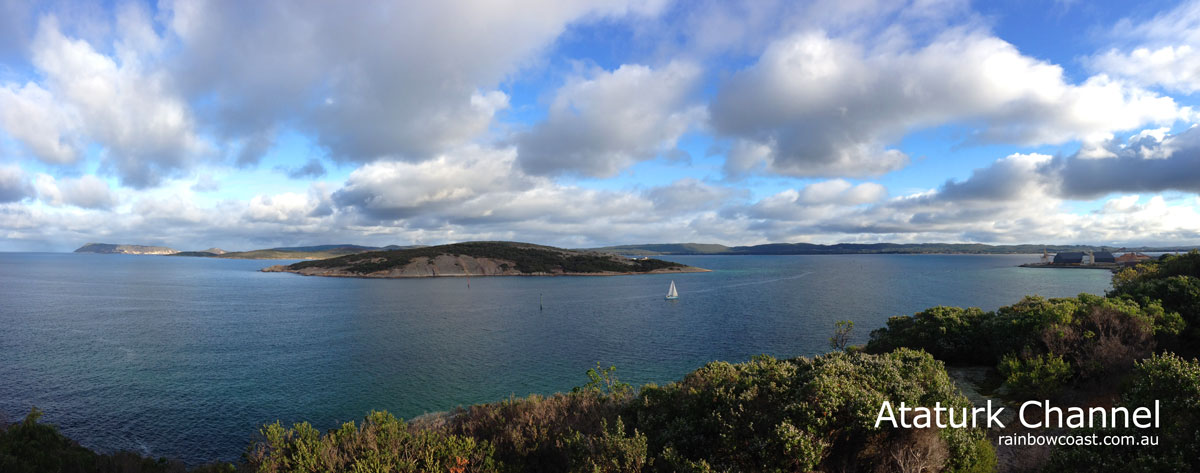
418,98
478,192
816,105
600,125
819,200
368,80
32,116
122,103
395,190
288,207
1163,51
690,195
89,192
14,184
1144,164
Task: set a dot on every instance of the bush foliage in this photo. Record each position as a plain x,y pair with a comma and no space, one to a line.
1171,380
1042,345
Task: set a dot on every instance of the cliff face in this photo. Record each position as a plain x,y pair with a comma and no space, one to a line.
108,248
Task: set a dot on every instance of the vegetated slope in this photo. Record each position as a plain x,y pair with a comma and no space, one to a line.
109,248
485,258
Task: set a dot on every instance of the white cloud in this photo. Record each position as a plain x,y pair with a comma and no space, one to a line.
30,115
603,124
368,80
690,195
288,207
14,184
89,192
1162,51
128,107
1174,68
816,105
815,202
394,190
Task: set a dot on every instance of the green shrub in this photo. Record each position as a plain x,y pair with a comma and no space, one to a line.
1175,383
381,443
1174,282
1035,377
610,452
529,434
796,415
950,334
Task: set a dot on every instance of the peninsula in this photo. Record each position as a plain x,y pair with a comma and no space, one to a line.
482,258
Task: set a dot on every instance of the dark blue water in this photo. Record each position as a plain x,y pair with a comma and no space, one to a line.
187,357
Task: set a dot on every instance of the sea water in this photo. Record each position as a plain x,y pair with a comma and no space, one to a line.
187,357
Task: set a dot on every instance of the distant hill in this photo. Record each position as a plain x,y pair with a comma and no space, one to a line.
482,258
856,248
289,252
308,252
666,249
109,248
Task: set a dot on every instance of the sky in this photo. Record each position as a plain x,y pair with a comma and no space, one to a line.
580,123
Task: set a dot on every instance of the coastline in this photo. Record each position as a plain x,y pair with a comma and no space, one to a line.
279,268
1106,266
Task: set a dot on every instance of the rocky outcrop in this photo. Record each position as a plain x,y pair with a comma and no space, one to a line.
108,248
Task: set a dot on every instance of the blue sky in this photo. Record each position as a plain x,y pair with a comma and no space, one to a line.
583,123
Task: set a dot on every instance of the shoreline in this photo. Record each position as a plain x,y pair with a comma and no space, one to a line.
1106,266
279,268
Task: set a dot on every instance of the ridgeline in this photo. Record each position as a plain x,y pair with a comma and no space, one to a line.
651,249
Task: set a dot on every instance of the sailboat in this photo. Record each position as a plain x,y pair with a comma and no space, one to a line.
672,294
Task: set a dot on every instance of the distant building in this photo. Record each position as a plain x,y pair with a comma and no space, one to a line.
1069,258
1132,258
1103,257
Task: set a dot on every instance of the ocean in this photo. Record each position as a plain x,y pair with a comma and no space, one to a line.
187,357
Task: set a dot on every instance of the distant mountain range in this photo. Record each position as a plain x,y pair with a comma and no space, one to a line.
858,248
650,249
292,252
108,248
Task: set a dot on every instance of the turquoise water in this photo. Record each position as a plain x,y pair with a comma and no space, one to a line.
187,357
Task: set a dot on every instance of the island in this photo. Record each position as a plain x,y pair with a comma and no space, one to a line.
481,258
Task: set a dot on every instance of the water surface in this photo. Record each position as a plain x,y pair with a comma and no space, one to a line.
187,357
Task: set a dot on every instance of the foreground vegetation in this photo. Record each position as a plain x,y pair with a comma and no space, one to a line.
762,415
781,415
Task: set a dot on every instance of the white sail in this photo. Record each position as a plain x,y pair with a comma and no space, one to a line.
672,293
